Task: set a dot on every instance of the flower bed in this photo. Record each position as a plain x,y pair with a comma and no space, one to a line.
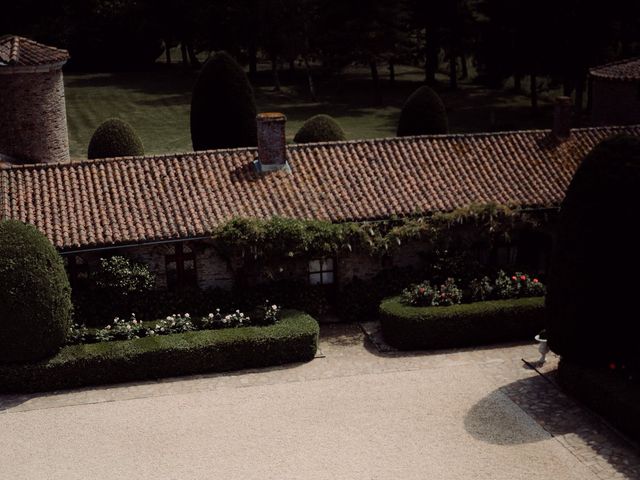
132,328
408,327
518,285
612,394
292,339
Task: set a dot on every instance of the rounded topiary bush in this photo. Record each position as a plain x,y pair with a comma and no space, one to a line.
223,109
35,297
115,138
593,282
320,128
423,114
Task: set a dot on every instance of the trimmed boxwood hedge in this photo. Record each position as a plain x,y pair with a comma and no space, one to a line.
605,392
412,328
35,296
293,339
115,138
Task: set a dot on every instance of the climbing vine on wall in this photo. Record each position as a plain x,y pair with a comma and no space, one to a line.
279,237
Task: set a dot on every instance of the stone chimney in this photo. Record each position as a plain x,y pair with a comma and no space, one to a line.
272,150
562,118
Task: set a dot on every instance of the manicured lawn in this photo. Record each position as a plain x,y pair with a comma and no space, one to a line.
157,104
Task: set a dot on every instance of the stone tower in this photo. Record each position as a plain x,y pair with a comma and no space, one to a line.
615,93
33,119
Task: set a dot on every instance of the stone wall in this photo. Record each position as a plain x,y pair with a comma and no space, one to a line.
33,119
615,102
213,271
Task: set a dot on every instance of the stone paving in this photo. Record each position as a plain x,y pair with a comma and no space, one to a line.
347,351
606,452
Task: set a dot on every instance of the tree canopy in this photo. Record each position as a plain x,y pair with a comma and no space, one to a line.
223,109
593,277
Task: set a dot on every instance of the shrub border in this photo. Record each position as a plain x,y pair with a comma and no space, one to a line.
412,328
293,339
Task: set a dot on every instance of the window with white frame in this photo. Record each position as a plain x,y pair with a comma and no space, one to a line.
321,271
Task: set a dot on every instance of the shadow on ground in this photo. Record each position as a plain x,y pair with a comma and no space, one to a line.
496,420
535,409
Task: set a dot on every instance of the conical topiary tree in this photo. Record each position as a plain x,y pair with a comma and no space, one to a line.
320,128
593,284
223,109
423,114
35,297
115,138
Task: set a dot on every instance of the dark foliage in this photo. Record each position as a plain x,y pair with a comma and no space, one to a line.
96,307
117,288
223,109
609,393
35,297
412,328
423,114
114,138
592,286
360,299
320,128
293,339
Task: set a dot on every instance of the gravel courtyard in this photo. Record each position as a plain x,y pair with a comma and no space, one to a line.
353,413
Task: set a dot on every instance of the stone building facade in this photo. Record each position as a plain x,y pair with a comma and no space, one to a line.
33,120
162,210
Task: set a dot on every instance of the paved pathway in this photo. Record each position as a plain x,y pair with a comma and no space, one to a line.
354,414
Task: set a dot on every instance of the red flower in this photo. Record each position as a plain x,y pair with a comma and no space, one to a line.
612,365
535,280
421,290
523,277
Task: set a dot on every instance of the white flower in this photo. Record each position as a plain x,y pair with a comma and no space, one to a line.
152,332
186,315
162,329
108,327
211,315
274,307
135,322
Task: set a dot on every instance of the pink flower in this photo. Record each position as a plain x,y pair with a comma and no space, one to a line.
535,280
421,290
513,278
523,277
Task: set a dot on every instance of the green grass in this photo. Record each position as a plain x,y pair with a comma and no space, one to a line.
293,339
157,103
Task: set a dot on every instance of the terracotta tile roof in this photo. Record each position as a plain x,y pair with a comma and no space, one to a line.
628,70
22,52
141,199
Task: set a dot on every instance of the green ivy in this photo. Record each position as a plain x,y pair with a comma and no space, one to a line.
280,237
